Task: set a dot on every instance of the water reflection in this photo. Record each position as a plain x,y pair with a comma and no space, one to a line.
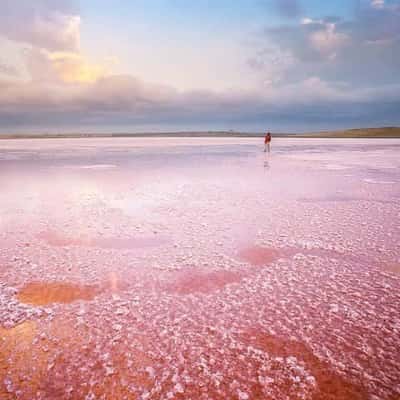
267,165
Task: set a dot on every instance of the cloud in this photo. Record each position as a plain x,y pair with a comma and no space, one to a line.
124,101
52,25
377,3
272,62
327,41
51,29
65,67
74,68
8,70
363,51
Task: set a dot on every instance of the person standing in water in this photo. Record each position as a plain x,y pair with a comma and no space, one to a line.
267,142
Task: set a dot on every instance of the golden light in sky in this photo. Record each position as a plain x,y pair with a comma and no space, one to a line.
75,68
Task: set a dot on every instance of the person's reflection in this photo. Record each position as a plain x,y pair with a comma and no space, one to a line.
267,165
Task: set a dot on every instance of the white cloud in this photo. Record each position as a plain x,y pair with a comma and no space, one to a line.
378,3
311,21
8,70
47,33
362,51
306,21
328,41
52,25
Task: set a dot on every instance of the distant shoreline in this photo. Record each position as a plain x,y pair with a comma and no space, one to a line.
362,133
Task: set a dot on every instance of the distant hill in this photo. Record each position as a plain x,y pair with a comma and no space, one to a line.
384,132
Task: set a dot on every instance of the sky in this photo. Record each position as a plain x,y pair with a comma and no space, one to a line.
173,65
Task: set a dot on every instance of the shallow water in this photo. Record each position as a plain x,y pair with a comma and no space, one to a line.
199,269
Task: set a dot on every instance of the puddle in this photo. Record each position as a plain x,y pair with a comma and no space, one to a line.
118,243
375,181
395,268
258,256
92,166
20,333
329,384
193,281
19,362
40,361
43,293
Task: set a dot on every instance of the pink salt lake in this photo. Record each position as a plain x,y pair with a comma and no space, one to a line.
199,269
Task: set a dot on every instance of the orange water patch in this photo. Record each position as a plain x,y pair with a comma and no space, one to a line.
111,376
52,365
58,240
48,358
194,281
395,268
259,256
16,355
42,293
329,384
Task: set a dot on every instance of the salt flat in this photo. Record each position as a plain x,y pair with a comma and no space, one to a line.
199,268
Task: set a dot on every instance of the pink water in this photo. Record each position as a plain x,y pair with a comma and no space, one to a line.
199,269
